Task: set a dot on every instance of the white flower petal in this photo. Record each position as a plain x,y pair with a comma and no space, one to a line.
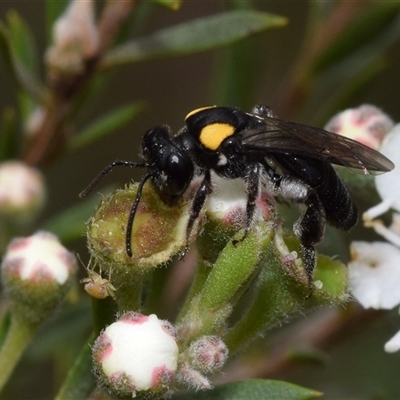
393,344
387,184
374,274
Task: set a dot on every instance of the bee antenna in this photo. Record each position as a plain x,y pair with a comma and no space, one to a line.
106,171
128,235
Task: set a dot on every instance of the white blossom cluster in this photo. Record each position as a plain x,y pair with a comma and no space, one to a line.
374,271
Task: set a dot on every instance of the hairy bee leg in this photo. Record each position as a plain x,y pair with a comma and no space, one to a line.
204,190
310,227
106,171
252,182
309,259
128,233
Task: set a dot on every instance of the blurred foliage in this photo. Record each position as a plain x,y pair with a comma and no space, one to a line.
343,48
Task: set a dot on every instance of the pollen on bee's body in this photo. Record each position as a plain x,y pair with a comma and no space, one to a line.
212,135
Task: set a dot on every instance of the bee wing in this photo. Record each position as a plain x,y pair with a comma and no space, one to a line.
277,135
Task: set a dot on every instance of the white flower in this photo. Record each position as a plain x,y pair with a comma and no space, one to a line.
393,344
136,353
388,185
374,274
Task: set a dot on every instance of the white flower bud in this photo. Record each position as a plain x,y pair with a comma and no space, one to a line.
366,124
138,353
374,274
22,192
76,38
37,272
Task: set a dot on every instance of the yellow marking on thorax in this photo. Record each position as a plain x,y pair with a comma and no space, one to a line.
212,135
198,110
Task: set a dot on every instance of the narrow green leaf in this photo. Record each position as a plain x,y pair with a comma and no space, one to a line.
8,134
22,42
199,35
71,224
172,4
5,49
251,389
105,125
21,75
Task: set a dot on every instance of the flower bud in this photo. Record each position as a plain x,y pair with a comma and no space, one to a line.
76,39
208,354
22,192
136,356
366,124
192,378
37,272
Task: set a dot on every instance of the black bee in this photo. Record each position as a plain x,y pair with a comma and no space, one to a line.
291,160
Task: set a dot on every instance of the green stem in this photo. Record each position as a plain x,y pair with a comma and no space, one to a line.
129,289
224,285
18,337
103,311
202,271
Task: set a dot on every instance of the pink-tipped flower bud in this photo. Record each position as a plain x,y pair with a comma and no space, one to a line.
136,356
208,354
37,272
366,124
22,192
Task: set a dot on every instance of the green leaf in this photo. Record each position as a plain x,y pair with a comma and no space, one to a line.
21,75
105,125
191,37
5,49
172,4
251,389
70,225
22,43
